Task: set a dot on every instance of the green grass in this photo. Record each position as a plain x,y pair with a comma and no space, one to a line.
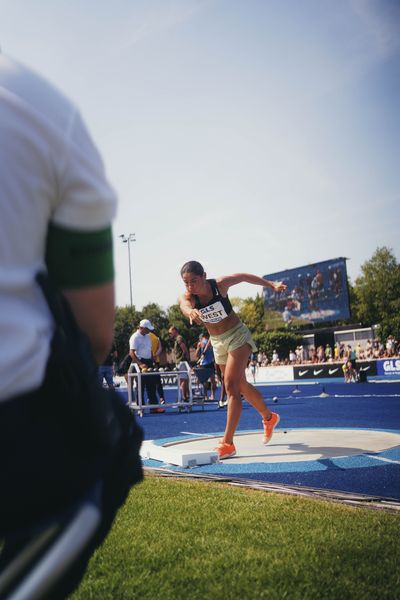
196,540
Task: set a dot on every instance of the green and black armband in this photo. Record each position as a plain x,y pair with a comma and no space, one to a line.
77,259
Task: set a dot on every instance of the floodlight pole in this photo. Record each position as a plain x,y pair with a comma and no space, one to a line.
127,239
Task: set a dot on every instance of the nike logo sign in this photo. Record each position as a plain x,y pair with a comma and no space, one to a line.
318,372
331,371
301,373
365,368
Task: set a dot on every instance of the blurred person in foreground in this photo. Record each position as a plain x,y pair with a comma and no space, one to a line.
206,303
60,432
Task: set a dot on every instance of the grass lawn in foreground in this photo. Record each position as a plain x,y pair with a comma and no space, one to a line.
181,539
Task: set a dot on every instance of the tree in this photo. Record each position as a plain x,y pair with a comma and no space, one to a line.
281,341
377,293
352,304
251,312
156,315
189,332
126,320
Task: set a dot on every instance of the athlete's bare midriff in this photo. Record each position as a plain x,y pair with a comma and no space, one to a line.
217,328
225,325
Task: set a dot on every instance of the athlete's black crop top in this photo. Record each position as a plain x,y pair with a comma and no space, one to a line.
217,309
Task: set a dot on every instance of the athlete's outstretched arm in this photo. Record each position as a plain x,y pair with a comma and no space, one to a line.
227,281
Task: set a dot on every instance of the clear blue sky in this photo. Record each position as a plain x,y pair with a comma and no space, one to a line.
252,135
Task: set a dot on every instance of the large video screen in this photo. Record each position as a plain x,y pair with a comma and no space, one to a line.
315,293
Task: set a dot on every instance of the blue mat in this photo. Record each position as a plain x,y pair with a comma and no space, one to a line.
373,406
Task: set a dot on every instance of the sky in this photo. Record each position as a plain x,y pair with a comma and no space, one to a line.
250,135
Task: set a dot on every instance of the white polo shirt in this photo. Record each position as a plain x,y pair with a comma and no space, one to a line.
50,171
141,344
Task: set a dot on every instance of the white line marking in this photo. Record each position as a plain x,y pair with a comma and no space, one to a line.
195,433
389,460
364,396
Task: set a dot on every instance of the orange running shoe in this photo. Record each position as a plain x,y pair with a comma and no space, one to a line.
269,427
225,450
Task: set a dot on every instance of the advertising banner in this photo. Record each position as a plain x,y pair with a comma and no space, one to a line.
330,370
315,293
168,379
172,379
389,366
272,373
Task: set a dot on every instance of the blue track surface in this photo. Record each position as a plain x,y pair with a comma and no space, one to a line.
373,406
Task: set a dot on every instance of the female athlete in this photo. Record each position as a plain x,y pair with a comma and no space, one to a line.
206,303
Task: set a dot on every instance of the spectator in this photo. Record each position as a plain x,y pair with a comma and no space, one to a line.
156,349
347,352
352,356
377,349
60,431
303,354
106,369
313,353
253,366
205,354
298,354
390,346
181,356
328,353
350,375
360,354
320,354
336,352
141,354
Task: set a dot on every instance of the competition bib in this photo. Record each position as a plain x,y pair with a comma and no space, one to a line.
213,313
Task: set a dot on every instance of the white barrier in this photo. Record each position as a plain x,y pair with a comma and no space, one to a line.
135,388
264,374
